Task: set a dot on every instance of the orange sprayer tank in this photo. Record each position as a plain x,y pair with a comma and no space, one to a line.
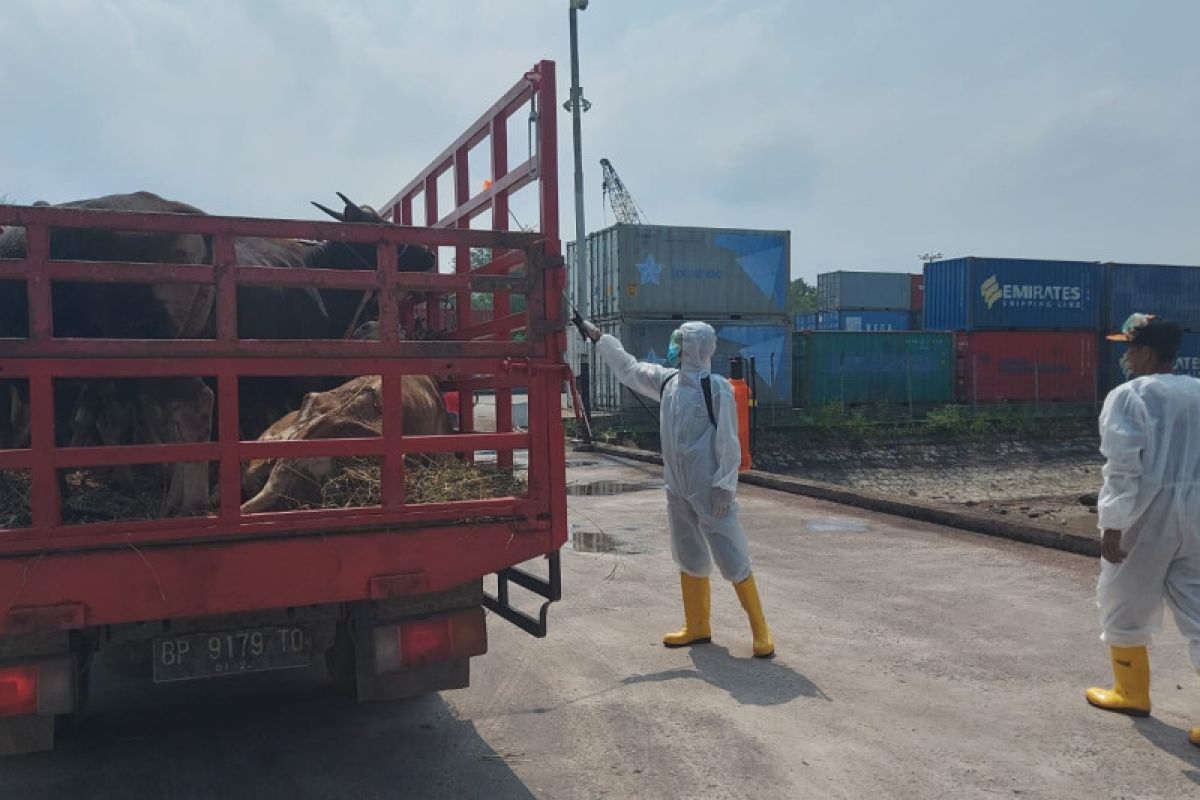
741,400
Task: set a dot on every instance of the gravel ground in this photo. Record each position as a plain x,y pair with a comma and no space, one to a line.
1042,481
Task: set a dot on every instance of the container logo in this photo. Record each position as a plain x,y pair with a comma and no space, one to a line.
650,271
1030,295
991,291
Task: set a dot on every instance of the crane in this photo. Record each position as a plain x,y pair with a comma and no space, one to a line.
622,202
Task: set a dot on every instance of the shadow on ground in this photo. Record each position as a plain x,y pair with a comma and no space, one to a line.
1173,740
754,682
256,738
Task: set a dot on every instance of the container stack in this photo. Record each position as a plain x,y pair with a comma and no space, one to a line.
646,280
864,301
1168,291
868,368
1026,331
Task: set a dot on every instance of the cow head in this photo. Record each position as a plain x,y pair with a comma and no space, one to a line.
410,257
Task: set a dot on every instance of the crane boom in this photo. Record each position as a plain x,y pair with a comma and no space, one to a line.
623,205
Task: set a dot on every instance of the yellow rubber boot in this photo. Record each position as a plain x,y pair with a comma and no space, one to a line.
1131,690
747,592
696,603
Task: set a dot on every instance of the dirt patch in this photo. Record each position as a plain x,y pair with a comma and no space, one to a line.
1041,482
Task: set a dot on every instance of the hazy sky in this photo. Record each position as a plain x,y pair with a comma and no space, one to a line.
874,131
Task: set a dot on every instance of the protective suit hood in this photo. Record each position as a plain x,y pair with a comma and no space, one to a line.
699,345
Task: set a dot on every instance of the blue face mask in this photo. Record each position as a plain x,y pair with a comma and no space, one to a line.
674,349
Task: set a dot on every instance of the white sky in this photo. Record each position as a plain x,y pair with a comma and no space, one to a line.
874,131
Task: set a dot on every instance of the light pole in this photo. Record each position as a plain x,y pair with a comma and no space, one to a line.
576,104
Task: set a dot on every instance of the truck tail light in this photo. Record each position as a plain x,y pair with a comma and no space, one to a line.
429,640
18,690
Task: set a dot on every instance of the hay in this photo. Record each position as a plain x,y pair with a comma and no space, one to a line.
15,488
98,495
89,496
356,483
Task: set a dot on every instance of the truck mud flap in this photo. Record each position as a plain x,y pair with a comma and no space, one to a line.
549,588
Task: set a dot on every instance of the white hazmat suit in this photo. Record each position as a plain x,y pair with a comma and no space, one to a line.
697,457
1150,436
700,464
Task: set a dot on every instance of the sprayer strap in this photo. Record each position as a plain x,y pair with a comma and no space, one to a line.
705,386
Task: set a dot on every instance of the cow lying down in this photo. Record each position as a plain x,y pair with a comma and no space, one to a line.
352,410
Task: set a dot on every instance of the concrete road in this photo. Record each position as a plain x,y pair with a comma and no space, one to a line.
914,662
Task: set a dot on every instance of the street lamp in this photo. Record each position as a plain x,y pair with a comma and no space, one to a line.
576,104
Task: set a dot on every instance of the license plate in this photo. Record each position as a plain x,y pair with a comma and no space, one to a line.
214,655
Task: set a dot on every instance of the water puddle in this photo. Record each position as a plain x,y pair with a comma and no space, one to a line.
581,462
608,488
592,542
836,525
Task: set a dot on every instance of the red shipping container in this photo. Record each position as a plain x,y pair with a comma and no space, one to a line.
1027,367
918,291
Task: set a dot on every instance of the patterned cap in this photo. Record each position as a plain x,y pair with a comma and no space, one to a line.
1132,327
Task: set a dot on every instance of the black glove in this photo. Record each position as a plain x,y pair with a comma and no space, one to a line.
586,329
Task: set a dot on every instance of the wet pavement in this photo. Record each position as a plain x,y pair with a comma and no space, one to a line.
913,661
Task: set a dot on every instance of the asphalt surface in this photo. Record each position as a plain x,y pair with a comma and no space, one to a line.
913,662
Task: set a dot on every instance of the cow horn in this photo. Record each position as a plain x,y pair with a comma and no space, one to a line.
357,213
336,215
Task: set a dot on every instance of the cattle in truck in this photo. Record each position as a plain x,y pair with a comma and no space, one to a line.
178,410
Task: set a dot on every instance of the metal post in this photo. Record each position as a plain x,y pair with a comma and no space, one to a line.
975,381
908,378
752,368
1037,386
584,384
577,105
773,388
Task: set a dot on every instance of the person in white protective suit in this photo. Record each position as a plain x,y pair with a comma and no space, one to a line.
1149,512
701,455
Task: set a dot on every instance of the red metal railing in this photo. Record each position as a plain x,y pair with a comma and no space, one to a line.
469,359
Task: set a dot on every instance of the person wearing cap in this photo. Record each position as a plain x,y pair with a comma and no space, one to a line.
1149,511
701,455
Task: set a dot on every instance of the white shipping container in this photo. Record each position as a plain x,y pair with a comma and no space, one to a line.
662,271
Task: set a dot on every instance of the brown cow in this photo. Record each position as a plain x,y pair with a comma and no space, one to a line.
352,410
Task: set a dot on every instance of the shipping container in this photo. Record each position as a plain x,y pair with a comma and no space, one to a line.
768,342
841,290
805,322
1187,362
668,272
870,320
917,292
971,294
1169,292
1027,367
869,368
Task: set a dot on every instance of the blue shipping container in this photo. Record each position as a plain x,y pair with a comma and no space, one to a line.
805,322
972,294
891,320
1170,292
1187,362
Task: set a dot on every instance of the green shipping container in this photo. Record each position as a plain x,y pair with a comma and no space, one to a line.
863,368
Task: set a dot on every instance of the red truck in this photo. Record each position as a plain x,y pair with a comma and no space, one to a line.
392,595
